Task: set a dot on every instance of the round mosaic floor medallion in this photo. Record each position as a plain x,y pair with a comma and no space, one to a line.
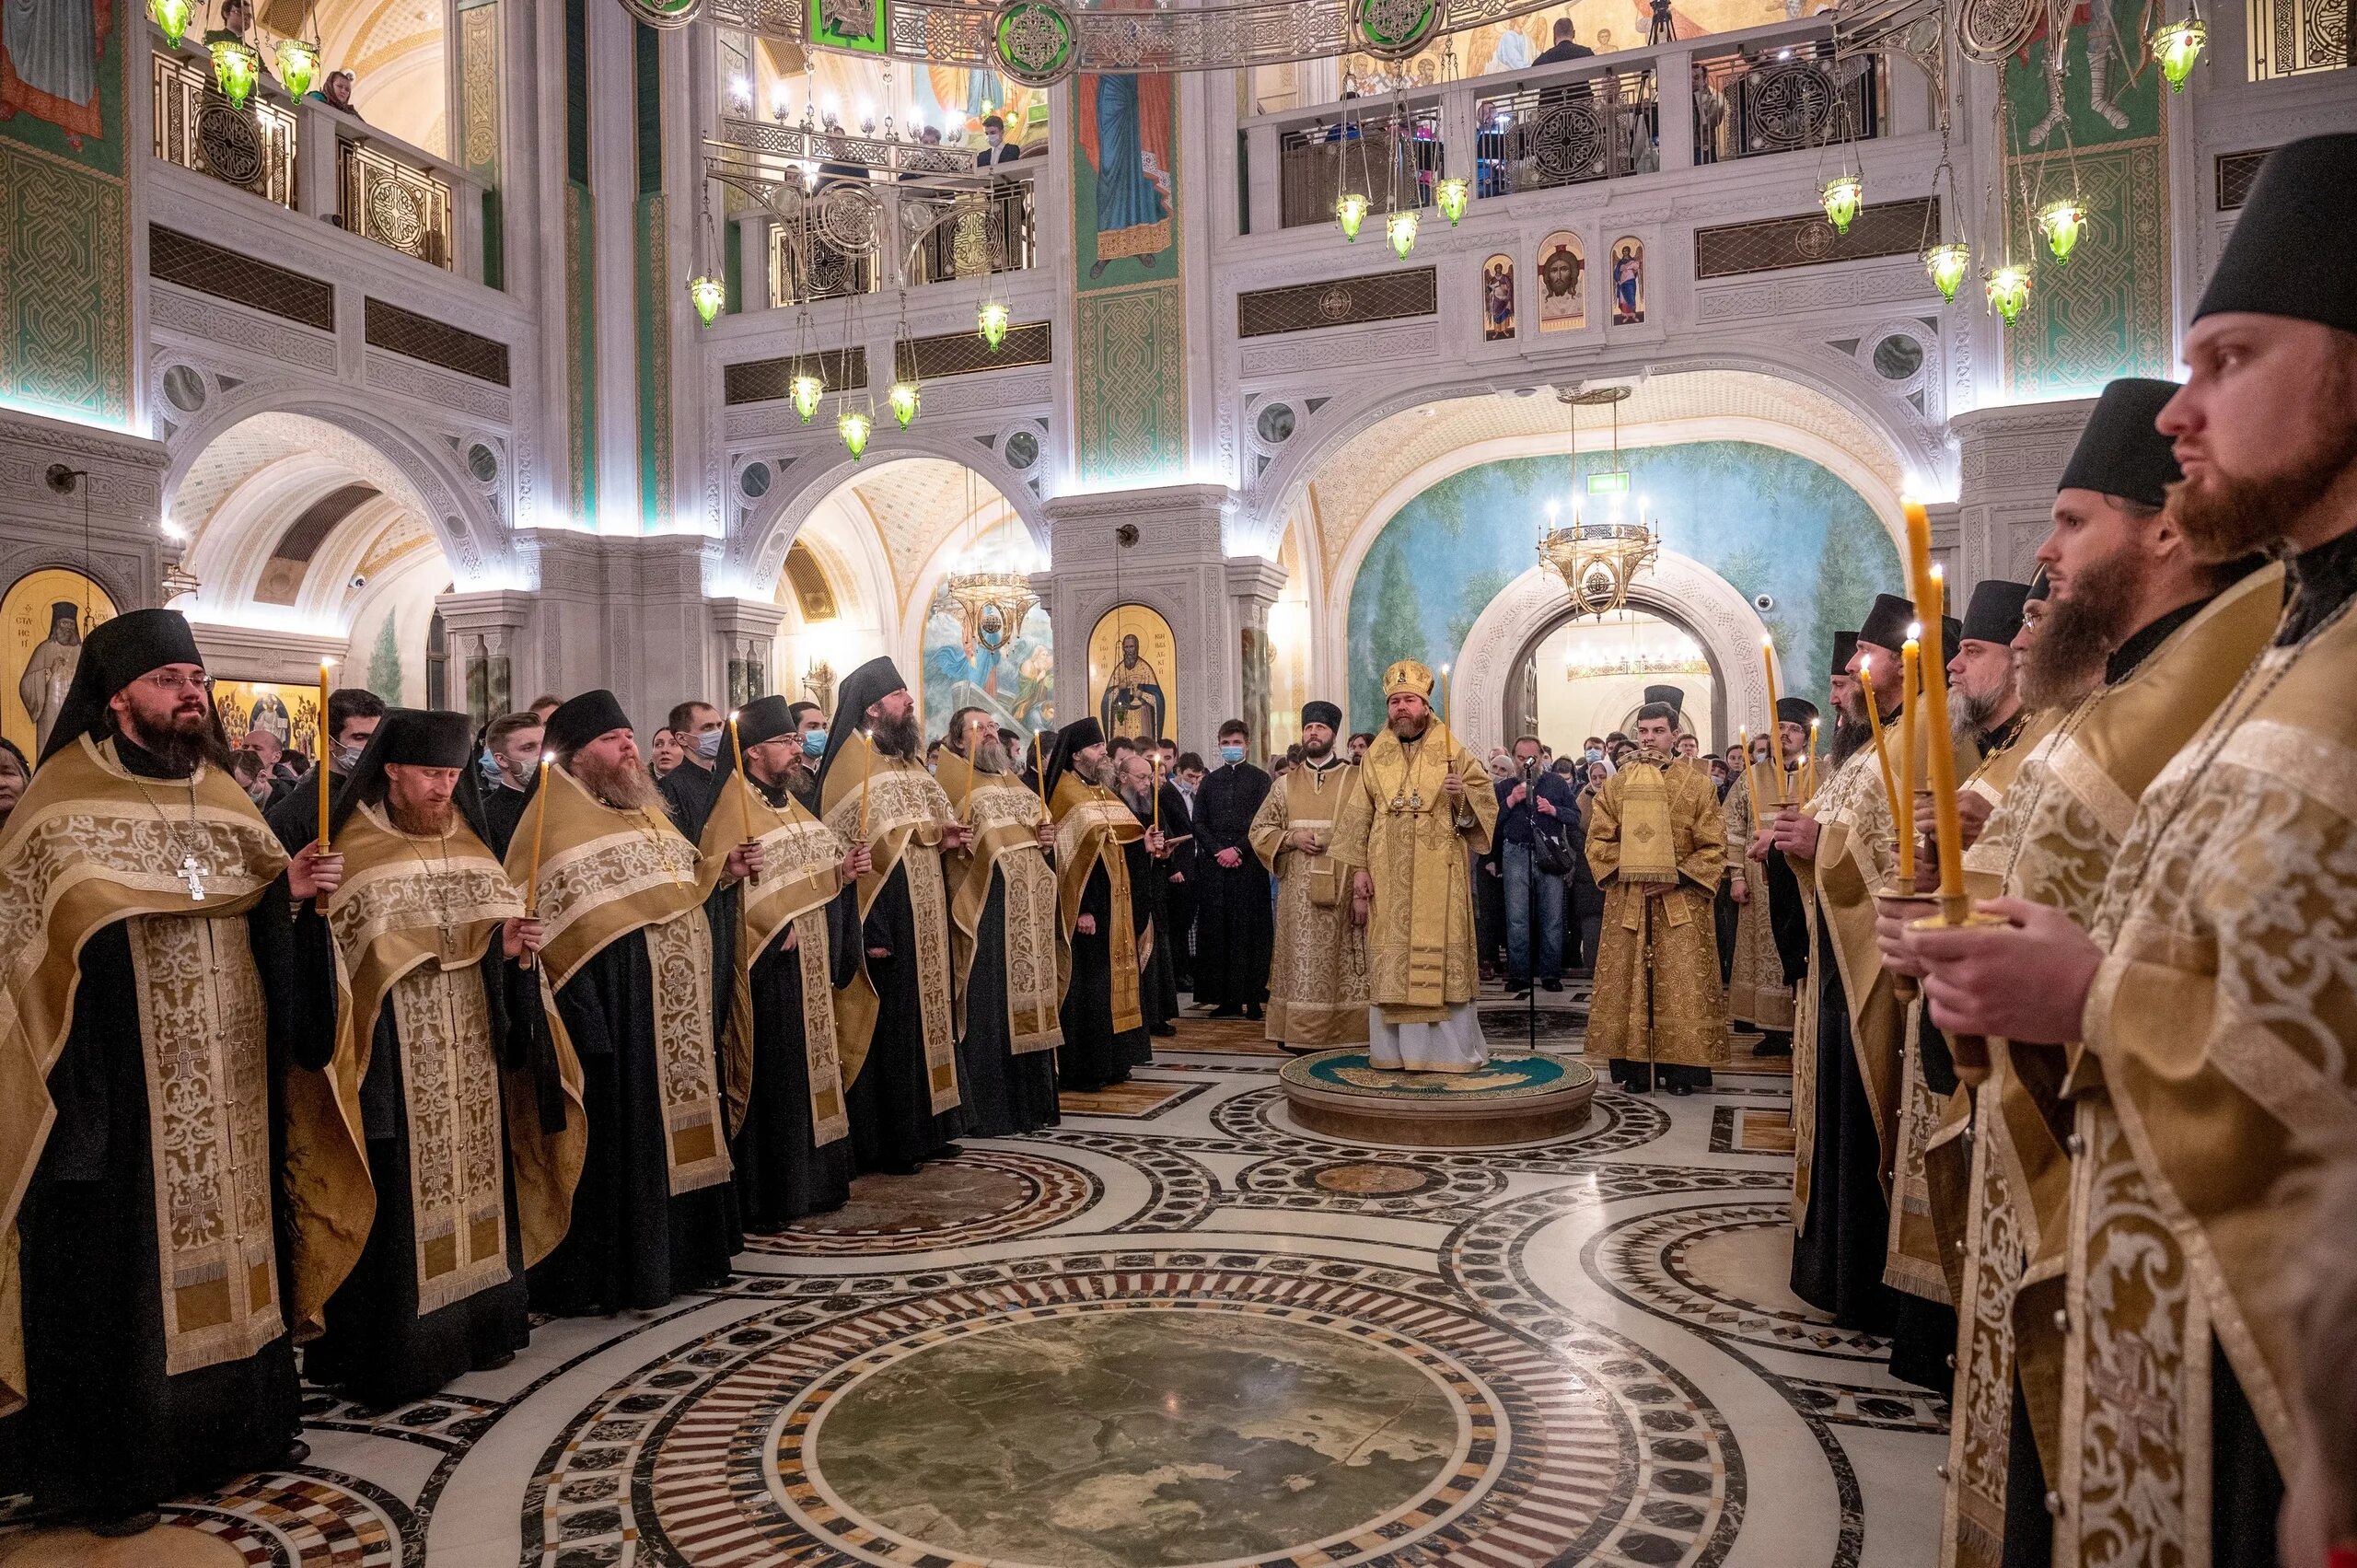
981,1195
1722,1268
1514,1098
1141,1409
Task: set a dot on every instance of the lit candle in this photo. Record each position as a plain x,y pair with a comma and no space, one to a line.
1811,788
1775,726
744,779
1942,756
540,822
320,765
1882,752
866,769
1447,694
965,795
1903,821
1750,776
1040,772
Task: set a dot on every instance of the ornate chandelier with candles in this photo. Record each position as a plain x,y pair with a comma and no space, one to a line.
1598,561
990,607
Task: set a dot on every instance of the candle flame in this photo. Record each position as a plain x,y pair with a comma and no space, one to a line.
1865,664
1914,630
1939,572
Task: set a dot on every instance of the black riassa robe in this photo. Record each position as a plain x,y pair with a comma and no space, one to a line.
782,1174
1838,1256
1177,874
689,795
893,1128
1092,1054
1001,1092
295,816
378,1348
1149,906
632,1244
503,807
106,1430
1234,917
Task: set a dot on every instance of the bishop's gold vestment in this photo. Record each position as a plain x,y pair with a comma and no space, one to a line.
1318,982
1399,826
2052,841
1758,993
1657,996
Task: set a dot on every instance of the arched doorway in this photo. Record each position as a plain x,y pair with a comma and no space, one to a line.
1582,677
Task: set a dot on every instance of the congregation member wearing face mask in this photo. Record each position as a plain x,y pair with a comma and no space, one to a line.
1234,922
512,746
802,779
689,789
353,716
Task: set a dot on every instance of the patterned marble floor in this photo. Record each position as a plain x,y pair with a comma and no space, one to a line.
1178,1330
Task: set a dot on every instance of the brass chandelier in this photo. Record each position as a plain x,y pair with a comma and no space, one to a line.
989,606
1598,561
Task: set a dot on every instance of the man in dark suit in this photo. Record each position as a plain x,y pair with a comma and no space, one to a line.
1567,45
1000,150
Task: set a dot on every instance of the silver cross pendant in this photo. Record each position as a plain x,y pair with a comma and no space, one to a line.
194,875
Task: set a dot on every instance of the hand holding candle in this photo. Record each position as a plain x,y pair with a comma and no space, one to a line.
320,764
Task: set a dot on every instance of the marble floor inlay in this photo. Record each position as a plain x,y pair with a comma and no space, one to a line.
1176,1330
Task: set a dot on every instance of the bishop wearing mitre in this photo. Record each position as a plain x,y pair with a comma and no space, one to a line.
153,990
1317,980
781,939
1004,935
467,1096
620,895
1420,808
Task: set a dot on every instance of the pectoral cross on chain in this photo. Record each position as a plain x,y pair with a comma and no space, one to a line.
194,875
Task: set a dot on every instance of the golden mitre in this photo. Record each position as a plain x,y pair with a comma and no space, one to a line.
1408,676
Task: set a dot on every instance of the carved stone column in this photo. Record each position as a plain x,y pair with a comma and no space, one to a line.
495,659
1253,584
2009,460
746,631
1173,563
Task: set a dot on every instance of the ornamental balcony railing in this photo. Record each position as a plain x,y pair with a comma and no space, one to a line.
1784,97
398,205
946,234
1599,124
1319,161
252,148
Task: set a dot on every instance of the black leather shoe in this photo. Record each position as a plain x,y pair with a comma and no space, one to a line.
1551,985
1252,1012
296,1452
1681,1090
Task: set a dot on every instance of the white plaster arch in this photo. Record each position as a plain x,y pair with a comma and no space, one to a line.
1676,586
944,559
756,545
473,536
1920,446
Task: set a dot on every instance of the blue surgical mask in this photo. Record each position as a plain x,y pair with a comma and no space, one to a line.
814,743
1231,753
1596,754
708,744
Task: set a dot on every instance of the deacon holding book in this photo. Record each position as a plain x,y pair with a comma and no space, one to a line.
1656,842
467,1099
628,952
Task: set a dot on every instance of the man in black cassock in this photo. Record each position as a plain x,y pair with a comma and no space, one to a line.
154,978
1104,1025
1235,920
354,713
690,789
1840,846
895,1017
620,895
464,1088
775,1003
1149,892
1005,936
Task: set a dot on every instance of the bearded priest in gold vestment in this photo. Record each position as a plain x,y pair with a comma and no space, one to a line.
1317,979
2213,992
1656,842
1419,810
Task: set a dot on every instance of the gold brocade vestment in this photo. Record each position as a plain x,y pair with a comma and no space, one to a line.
1657,996
604,874
1317,984
801,874
412,922
89,845
1398,825
902,809
1005,817
1758,993
1092,829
